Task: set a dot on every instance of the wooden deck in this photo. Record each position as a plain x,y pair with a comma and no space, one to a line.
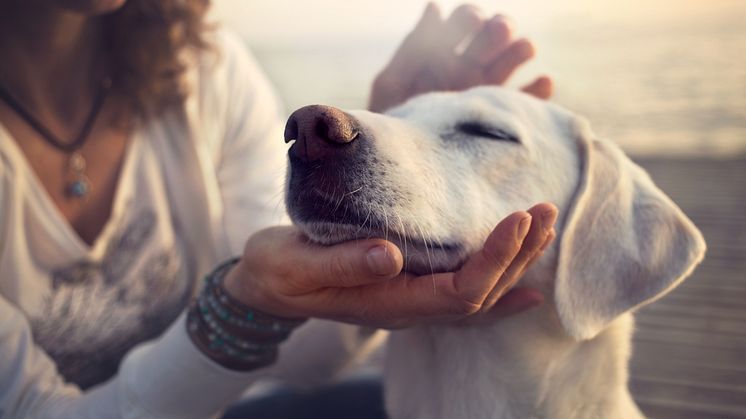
690,347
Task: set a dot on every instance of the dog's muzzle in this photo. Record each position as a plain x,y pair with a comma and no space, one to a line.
329,159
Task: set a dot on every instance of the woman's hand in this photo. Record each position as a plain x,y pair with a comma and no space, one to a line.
361,282
433,57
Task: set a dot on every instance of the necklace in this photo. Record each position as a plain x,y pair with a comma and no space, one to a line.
80,185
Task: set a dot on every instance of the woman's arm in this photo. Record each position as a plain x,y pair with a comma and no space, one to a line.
30,386
164,379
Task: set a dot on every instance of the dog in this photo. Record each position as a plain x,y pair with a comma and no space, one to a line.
434,176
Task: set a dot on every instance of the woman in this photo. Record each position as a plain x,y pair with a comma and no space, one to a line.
138,150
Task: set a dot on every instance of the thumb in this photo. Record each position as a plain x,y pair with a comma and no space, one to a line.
351,264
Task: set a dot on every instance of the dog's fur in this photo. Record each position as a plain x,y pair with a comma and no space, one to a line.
435,175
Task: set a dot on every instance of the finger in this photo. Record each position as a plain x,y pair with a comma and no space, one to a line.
393,304
482,270
463,22
508,61
550,238
447,70
543,217
542,88
406,62
429,25
309,266
489,42
354,263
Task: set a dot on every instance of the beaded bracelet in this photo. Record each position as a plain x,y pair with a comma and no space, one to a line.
236,313
231,333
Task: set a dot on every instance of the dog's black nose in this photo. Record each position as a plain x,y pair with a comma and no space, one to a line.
319,132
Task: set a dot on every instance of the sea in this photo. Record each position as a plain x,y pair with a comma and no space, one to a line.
663,89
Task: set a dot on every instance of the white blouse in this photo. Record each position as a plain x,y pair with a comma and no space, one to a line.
195,184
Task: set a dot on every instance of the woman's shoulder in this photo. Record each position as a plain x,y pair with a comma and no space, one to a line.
230,89
229,70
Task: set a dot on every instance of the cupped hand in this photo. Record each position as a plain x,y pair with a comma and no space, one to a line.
361,282
433,57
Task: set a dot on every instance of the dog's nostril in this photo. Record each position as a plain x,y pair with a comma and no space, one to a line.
291,130
322,129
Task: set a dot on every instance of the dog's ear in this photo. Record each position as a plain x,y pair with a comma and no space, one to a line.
624,243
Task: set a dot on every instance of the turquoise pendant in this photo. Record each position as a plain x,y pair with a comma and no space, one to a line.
80,186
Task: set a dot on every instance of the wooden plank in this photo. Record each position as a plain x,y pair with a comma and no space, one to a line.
721,400
689,373
673,409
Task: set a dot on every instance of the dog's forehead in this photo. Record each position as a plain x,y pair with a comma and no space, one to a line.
537,122
486,102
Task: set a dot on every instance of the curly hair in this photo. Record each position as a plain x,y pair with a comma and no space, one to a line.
146,39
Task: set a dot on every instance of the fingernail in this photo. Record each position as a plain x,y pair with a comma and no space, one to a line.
548,219
523,226
380,261
550,238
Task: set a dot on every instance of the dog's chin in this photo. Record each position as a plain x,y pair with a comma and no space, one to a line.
420,257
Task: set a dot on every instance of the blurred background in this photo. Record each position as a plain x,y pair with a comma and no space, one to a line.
658,76
666,79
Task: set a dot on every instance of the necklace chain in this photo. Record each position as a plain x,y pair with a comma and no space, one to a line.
46,134
80,186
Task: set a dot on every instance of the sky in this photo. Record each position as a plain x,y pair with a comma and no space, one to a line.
283,21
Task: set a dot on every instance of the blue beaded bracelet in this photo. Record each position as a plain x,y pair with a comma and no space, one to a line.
224,327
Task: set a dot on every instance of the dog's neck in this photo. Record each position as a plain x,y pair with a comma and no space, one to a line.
525,364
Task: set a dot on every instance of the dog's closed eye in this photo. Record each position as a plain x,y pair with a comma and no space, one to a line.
481,130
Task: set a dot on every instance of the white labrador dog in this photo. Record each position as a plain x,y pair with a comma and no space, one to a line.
435,175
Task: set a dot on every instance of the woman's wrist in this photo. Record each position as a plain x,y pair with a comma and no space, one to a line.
231,333
242,285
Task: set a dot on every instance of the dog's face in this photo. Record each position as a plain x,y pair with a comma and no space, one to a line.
436,174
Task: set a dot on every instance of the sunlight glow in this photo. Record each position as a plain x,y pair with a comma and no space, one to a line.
282,21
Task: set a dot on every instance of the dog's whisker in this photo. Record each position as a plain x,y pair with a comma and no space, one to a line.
340,187
386,224
354,192
365,222
336,207
427,252
404,234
